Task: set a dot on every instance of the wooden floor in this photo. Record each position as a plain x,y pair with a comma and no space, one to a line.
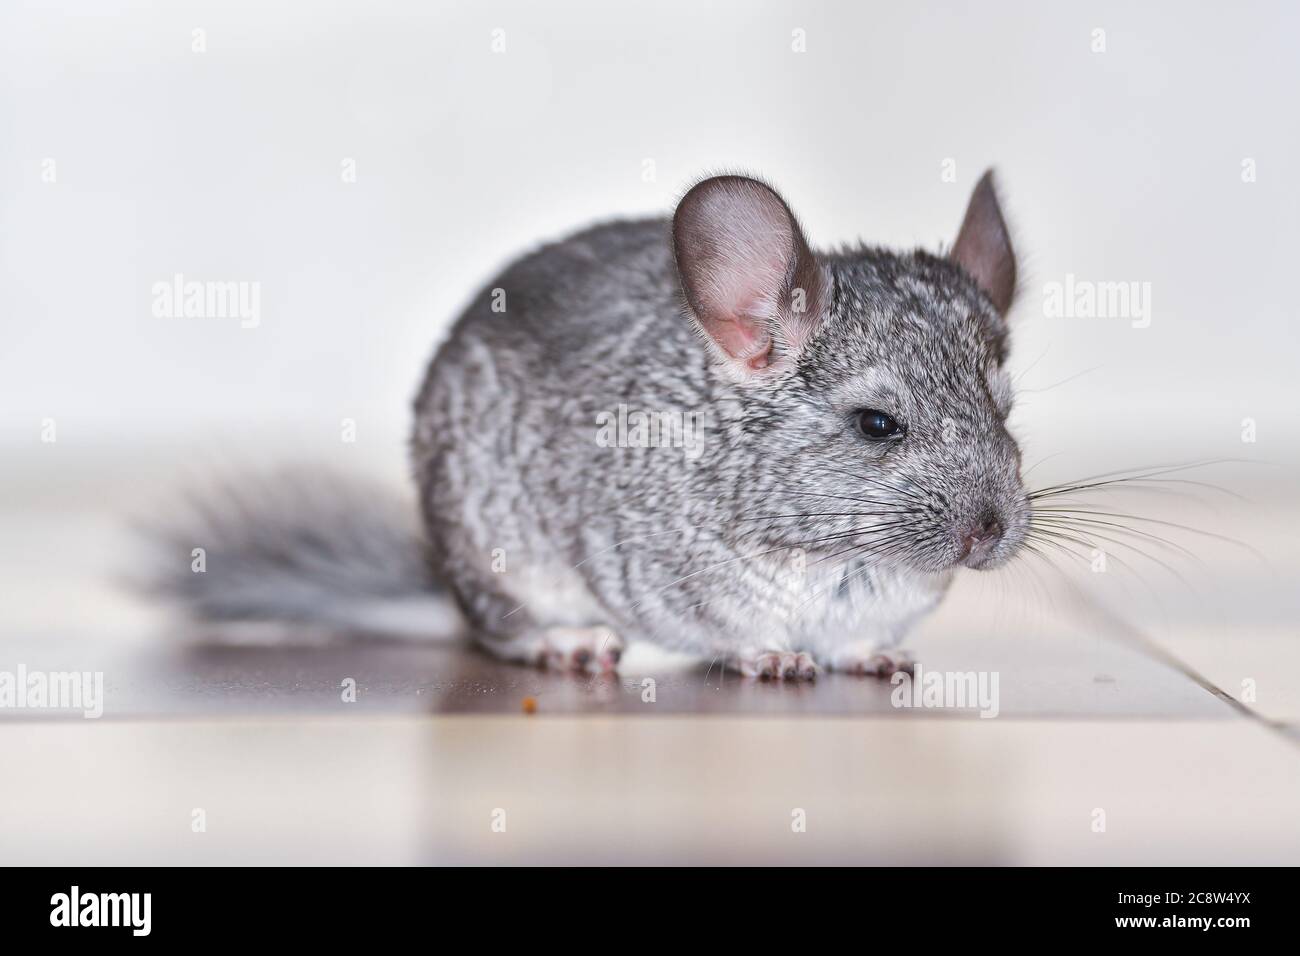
1139,720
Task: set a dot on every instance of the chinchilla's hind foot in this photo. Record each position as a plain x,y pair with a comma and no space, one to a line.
872,660
778,665
590,650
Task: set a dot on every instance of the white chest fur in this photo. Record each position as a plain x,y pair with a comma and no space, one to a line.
819,605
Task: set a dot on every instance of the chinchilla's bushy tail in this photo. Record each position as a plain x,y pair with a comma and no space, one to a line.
298,556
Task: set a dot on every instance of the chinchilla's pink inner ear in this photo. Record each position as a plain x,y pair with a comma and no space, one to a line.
751,282
983,246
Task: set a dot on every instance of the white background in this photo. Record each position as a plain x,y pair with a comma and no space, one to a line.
225,165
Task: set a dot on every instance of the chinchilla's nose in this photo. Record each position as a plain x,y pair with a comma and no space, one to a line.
978,539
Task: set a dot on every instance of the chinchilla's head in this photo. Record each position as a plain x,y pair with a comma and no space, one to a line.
872,388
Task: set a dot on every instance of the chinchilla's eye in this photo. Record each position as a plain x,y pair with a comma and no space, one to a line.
878,426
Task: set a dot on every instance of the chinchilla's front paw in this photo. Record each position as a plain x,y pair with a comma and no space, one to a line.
778,665
872,660
594,650
591,650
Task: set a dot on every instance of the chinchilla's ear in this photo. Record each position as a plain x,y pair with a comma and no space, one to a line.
983,246
752,285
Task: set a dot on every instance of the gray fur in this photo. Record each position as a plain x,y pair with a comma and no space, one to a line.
301,555
664,549
538,528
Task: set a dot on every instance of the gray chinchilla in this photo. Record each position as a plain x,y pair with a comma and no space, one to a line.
699,433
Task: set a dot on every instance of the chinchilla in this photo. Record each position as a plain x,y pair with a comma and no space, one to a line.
699,433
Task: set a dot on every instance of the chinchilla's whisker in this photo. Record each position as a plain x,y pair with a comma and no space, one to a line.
896,531
1040,461
1032,571
1092,532
890,508
1126,474
1035,545
1089,524
900,530
1169,524
895,545
901,534
818,494
1138,575
714,567
1084,542
1020,566
1151,485
1064,381
1031,548
888,521
898,547
1015,381
1021,582
887,486
1095,539
639,537
819,514
1051,540
1207,485
1134,548
895,527
832,514
710,670
1123,472
1052,533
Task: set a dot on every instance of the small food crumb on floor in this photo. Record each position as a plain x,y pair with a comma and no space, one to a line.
530,705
